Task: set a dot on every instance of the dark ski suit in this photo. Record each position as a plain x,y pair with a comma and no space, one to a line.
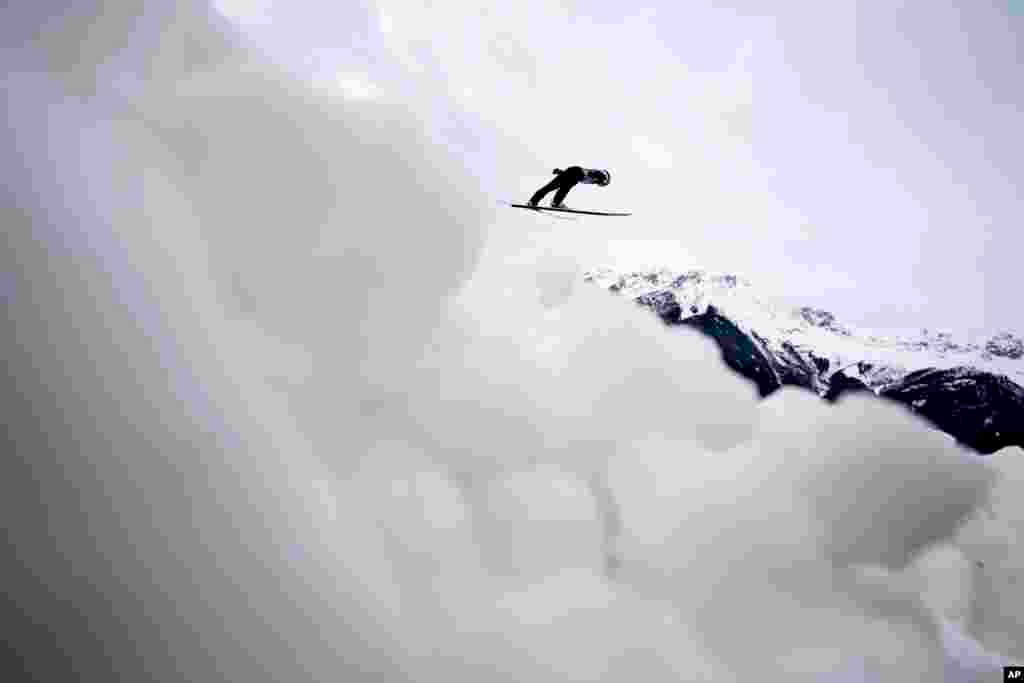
568,179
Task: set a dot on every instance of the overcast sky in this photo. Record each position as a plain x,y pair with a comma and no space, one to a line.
865,157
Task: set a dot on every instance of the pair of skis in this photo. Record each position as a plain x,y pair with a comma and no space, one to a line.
551,208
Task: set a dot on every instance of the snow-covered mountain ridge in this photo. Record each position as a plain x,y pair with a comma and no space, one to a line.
973,391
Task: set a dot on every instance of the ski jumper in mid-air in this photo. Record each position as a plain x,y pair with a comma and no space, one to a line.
568,179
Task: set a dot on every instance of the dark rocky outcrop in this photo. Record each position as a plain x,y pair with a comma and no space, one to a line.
841,384
981,410
739,351
664,304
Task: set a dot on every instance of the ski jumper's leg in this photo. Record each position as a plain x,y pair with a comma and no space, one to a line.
567,180
539,194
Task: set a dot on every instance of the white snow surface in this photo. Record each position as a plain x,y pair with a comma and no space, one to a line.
876,359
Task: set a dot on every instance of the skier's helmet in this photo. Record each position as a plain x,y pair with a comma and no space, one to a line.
606,177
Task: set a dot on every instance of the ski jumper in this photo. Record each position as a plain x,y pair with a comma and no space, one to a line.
568,179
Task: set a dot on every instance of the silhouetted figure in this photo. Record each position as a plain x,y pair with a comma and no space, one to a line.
568,179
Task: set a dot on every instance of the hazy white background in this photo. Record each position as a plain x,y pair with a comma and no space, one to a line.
288,397
862,156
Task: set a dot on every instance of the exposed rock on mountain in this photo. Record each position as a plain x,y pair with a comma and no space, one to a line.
972,391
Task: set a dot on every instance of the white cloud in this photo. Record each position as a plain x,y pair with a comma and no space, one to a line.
994,541
246,12
356,86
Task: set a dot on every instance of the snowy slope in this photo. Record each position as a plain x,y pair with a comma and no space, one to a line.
972,390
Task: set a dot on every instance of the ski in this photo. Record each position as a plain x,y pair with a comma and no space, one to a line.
550,208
